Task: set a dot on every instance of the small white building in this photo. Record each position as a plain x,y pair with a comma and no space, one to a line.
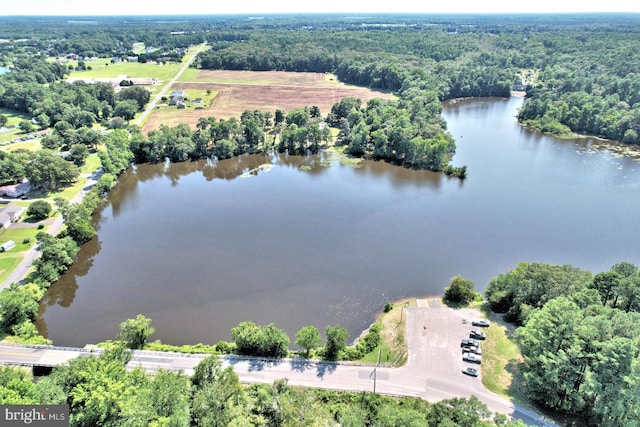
9,244
15,190
9,214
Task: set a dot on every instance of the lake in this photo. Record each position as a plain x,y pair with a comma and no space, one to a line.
202,246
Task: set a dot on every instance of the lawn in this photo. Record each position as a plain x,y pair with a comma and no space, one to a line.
67,193
30,145
501,359
13,119
91,164
8,262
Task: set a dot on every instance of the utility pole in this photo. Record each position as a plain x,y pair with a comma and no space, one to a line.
374,374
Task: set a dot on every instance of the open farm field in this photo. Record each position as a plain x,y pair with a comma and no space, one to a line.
104,69
255,90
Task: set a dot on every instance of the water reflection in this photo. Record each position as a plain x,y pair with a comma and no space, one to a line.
308,240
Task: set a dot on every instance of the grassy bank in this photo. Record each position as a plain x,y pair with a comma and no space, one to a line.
501,359
393,345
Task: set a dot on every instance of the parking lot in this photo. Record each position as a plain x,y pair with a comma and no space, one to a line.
434,334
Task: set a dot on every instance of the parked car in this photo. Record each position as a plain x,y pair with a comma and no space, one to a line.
477,335
481,322
471,357
469,342
472,372
471,349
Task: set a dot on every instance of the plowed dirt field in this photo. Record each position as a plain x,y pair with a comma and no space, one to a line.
238,91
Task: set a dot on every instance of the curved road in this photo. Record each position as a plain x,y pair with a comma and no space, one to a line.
433,370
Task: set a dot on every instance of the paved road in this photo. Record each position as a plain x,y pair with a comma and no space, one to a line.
168,86
433,371
22,269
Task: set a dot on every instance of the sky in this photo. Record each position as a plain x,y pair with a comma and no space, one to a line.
177,7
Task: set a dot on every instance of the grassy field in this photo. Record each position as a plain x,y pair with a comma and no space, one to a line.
30,144
189,75
103,68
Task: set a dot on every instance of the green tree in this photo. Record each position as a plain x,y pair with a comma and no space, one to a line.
531,285
458,412
554,356
275,342
18,304
218,397
105,183
26,126
56,255
136,331
139,94
336,341
162,401
308,337
98,388
126,109
78,154
77,217
39,209
3,120
49,170
460,290
17,387
248,338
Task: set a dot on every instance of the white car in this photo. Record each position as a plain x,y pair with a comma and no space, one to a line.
471,357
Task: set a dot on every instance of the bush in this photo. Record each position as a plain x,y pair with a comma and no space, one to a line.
254,340
460,290
388,307
26,241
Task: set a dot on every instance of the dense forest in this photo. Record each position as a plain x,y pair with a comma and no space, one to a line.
579,336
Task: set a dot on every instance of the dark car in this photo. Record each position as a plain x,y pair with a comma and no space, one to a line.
472,372
469,343
481,322
477,335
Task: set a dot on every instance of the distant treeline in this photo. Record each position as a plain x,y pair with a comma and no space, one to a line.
584,75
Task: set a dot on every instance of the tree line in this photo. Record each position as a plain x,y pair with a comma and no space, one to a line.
579,335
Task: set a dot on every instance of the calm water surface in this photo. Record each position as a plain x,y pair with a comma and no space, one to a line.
201,246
